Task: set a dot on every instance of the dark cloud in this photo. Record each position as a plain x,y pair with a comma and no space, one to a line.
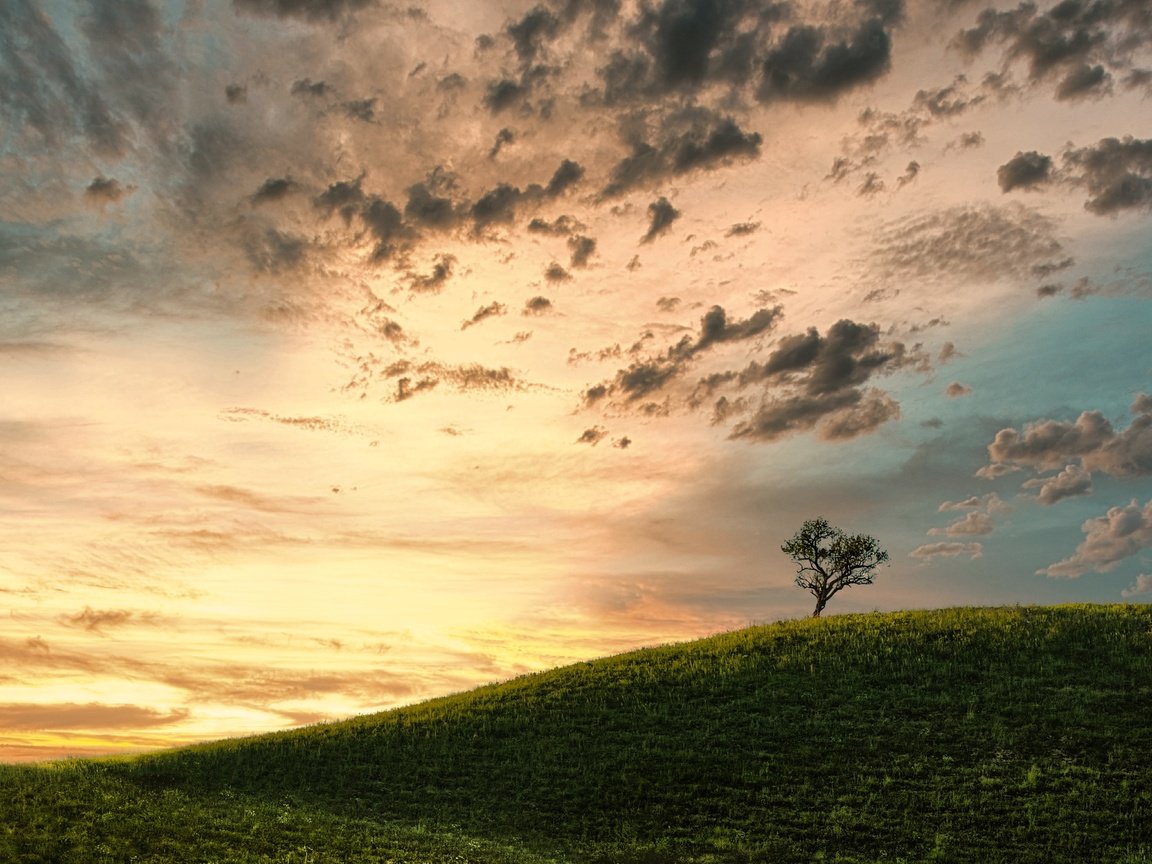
668,304
822,379
1109,540
1116,172
432,282
742,229
273,189
686,141
537,306
306,10
561,225
384,221
497,206
692,45
104,190
236,94
582,249
841,414
1024,171
528,34
503,94
308,87
805,66
483,313
360,109
426,207
1071,41
344,197
661,214
567,175
555,273
592,436
503,137
1084,81
645,377
956,390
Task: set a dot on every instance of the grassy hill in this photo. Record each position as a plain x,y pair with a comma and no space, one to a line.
964,735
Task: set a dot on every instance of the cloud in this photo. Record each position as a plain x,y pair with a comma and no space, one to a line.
650,375
1116,172
503,137
555,273
826,374
567,175
947,550
742,229
1090,441
974,523
45,91
305,10
273,189
104,190
990,503
96,620
805,66
412,379
502,94
92,715
691,140
483,313
582,249
661,214
1142,587
537,306
1083,82
1069,43
272,251
432,282
955,390
1109,540
593,435
1024,171
961,244
561,225
1073,481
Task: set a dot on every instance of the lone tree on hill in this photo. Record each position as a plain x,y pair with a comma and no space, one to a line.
827,559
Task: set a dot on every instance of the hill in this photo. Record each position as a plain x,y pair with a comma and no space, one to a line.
962,735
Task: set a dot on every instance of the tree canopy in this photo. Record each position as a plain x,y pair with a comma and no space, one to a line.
828,559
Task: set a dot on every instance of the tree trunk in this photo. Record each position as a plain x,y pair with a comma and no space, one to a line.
821,602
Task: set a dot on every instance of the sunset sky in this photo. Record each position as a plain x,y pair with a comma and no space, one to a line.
355,353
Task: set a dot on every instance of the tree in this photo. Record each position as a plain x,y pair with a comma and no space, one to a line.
827,559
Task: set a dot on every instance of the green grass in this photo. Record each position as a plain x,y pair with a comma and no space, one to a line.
964,735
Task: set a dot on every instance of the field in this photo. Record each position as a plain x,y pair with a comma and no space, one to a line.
962,735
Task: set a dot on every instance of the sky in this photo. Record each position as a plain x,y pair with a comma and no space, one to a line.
356,353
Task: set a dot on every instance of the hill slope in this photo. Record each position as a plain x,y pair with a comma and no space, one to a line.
963,735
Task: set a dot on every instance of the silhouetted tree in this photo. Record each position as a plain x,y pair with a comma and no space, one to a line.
827,559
